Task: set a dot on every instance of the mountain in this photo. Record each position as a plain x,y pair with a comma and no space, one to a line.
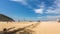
5,18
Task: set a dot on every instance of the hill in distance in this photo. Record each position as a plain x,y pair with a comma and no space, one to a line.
5,18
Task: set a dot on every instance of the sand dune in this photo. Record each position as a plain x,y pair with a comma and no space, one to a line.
41,28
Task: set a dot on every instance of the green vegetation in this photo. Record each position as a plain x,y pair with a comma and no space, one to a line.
5,18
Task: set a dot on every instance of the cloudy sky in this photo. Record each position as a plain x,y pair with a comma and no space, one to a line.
31,9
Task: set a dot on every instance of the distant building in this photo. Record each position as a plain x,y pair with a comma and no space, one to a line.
5,18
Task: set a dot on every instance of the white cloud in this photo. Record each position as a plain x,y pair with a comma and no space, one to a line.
50,10
20,1
24,2
57,2
53,17
42,7
49,18
57,9
40,10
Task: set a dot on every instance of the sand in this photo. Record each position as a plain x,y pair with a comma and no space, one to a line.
40,28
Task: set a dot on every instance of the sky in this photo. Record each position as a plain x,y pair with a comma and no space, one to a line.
31,9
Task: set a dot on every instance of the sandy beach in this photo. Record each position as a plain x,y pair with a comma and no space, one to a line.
41,28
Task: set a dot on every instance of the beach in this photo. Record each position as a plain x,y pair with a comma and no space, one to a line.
41,28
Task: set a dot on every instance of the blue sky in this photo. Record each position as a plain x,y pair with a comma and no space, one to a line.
31,9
